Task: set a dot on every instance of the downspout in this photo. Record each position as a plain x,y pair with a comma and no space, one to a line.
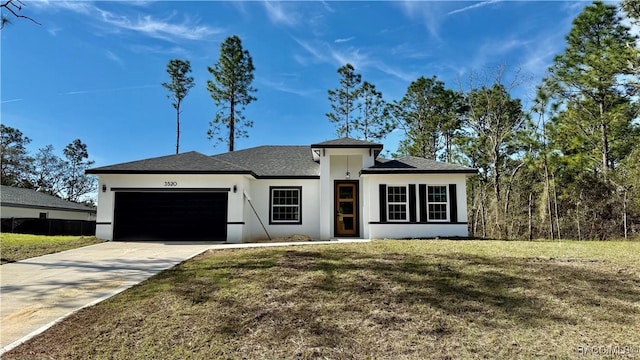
255,212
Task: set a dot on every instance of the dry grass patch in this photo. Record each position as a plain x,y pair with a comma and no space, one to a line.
382,300
291,238
15,247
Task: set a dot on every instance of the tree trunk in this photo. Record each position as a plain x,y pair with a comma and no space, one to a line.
178,128
232,124
483,214
578,218
530,216
555,201
624,215
548,191
605,143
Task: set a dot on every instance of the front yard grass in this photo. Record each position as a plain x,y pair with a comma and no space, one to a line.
15,247
381,300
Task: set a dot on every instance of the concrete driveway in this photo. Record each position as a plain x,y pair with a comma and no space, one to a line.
38,292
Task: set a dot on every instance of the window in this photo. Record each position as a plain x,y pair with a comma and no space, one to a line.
43,215
285,205
437,203
397,203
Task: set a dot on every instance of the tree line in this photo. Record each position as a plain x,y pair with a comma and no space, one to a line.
45,171
567,167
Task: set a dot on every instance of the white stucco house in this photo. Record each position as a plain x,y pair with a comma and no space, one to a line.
28,203
333,189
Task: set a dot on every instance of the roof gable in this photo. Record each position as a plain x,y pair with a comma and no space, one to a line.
347,143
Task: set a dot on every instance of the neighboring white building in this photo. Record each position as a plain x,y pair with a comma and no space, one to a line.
27,203
333,189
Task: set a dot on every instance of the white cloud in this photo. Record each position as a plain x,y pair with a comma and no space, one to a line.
474,6
94,91
278,15
400,74
283,87
9,101
343,40
164,29
318,55
82,7
113,57
171,50
322,52
431,13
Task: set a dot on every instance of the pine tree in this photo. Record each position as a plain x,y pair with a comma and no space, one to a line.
231,91
374,122
592,82
179,87
344,101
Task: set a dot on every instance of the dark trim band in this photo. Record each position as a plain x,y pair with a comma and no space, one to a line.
416,171
103,223
44,207
416,223
170,189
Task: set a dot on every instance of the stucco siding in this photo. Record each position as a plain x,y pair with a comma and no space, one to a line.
20,212
371,208
310,211
169,182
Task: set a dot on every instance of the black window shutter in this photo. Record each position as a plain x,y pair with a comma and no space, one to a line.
383,203
412,203
422,194
453,204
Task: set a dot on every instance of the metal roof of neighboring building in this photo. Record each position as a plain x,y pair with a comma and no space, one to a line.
19,197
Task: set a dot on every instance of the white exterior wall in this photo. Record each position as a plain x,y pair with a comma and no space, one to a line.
20,212
318,213
336,162
406,230
259,194
235,213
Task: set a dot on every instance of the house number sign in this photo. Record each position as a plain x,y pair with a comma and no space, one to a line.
170,183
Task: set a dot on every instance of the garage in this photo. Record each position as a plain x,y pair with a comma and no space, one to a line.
171,216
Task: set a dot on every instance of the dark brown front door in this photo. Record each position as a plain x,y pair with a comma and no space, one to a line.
346,204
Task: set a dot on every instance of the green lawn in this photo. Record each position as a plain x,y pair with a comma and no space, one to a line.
14,247
382,300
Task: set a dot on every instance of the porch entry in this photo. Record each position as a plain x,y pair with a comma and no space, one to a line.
346,208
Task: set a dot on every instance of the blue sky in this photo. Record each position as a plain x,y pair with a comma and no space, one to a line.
93,70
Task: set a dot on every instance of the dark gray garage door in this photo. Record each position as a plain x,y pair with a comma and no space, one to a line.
174,216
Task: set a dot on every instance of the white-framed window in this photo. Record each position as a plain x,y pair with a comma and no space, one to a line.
397,203
437,202
285,205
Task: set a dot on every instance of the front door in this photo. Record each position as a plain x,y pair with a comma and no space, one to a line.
346,206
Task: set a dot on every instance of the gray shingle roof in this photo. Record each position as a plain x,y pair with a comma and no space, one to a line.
412,164
275,161
186,163
19,197
346,142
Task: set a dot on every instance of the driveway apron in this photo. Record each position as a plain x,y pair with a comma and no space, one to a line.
39,291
